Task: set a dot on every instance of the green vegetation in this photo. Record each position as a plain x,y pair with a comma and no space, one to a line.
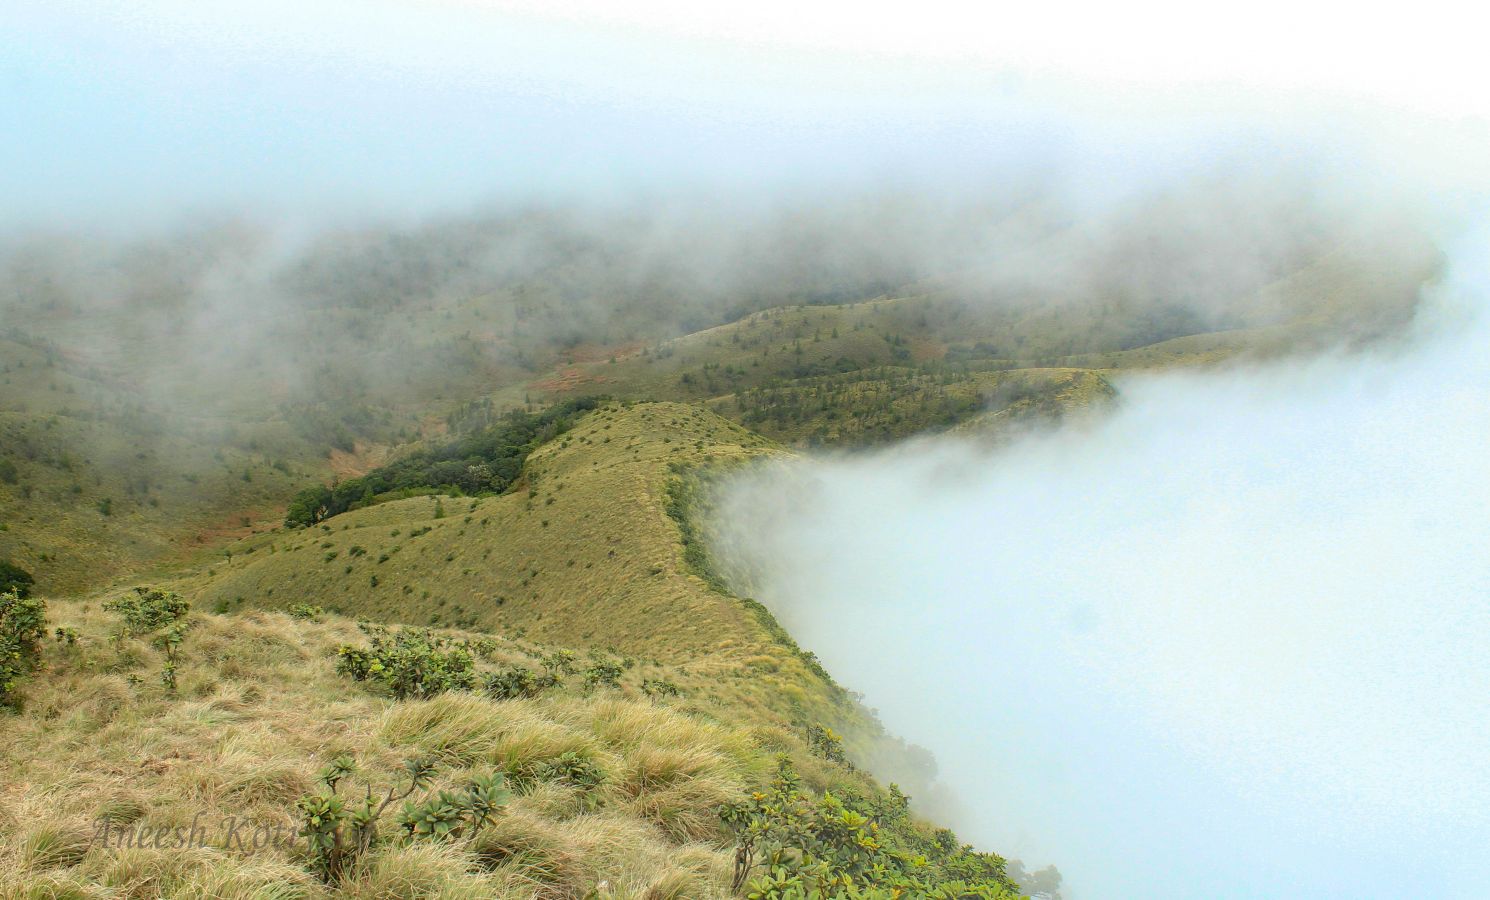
337,836
486,462
14,579
23,623
146,609
792,844
409,662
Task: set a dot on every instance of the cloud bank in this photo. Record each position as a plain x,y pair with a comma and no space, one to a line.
1226,642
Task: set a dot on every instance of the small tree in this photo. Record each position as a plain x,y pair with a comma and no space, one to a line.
23,623
339,834
145,610
16,579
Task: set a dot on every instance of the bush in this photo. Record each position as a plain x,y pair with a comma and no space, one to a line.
410,662
815,847
603,673
23,623
306,611
146,609
660,687
15,579
516,683
825,743
338,835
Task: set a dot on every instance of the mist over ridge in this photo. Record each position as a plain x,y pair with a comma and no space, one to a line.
1221,642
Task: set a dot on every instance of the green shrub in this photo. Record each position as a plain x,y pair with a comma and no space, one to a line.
338,834
306,612
559,664
790,845
15,579
146,609
516,683
169,642
603,673
660,687
410,662
826,743
23,623
573,769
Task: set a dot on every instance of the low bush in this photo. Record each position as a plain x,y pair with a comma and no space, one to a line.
146,609
410,662
338,834
23,623
791,845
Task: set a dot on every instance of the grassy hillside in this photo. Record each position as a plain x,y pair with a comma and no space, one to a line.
631,811
597,553
580,552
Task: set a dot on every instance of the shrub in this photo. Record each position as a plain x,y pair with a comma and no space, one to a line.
146,609
826,743
559,664
818,847
169,641
15,579
306,611
337,834
660,687
23,623
603,673
516,683
410,662
572,769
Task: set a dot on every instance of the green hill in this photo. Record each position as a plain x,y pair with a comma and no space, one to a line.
595,551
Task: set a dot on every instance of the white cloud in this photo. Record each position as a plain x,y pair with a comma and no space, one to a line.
1226,642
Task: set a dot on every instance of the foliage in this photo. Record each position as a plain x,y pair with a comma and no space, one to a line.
169,642
338,833
792,845
660,687
23,623
604,673
516,683
826,743
448,815
488,461
307,612
410,662
559,663
15,579
146,609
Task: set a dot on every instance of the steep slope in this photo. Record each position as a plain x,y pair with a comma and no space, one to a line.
631,811
582,552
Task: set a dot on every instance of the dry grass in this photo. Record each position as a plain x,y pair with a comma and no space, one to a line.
261,708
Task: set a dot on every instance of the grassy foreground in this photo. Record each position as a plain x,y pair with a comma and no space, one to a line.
260,708
618,784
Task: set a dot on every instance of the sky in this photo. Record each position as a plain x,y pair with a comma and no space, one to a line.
137,111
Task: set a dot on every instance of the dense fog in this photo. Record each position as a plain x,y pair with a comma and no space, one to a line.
1226,641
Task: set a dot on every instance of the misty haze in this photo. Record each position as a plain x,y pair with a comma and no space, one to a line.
552,451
